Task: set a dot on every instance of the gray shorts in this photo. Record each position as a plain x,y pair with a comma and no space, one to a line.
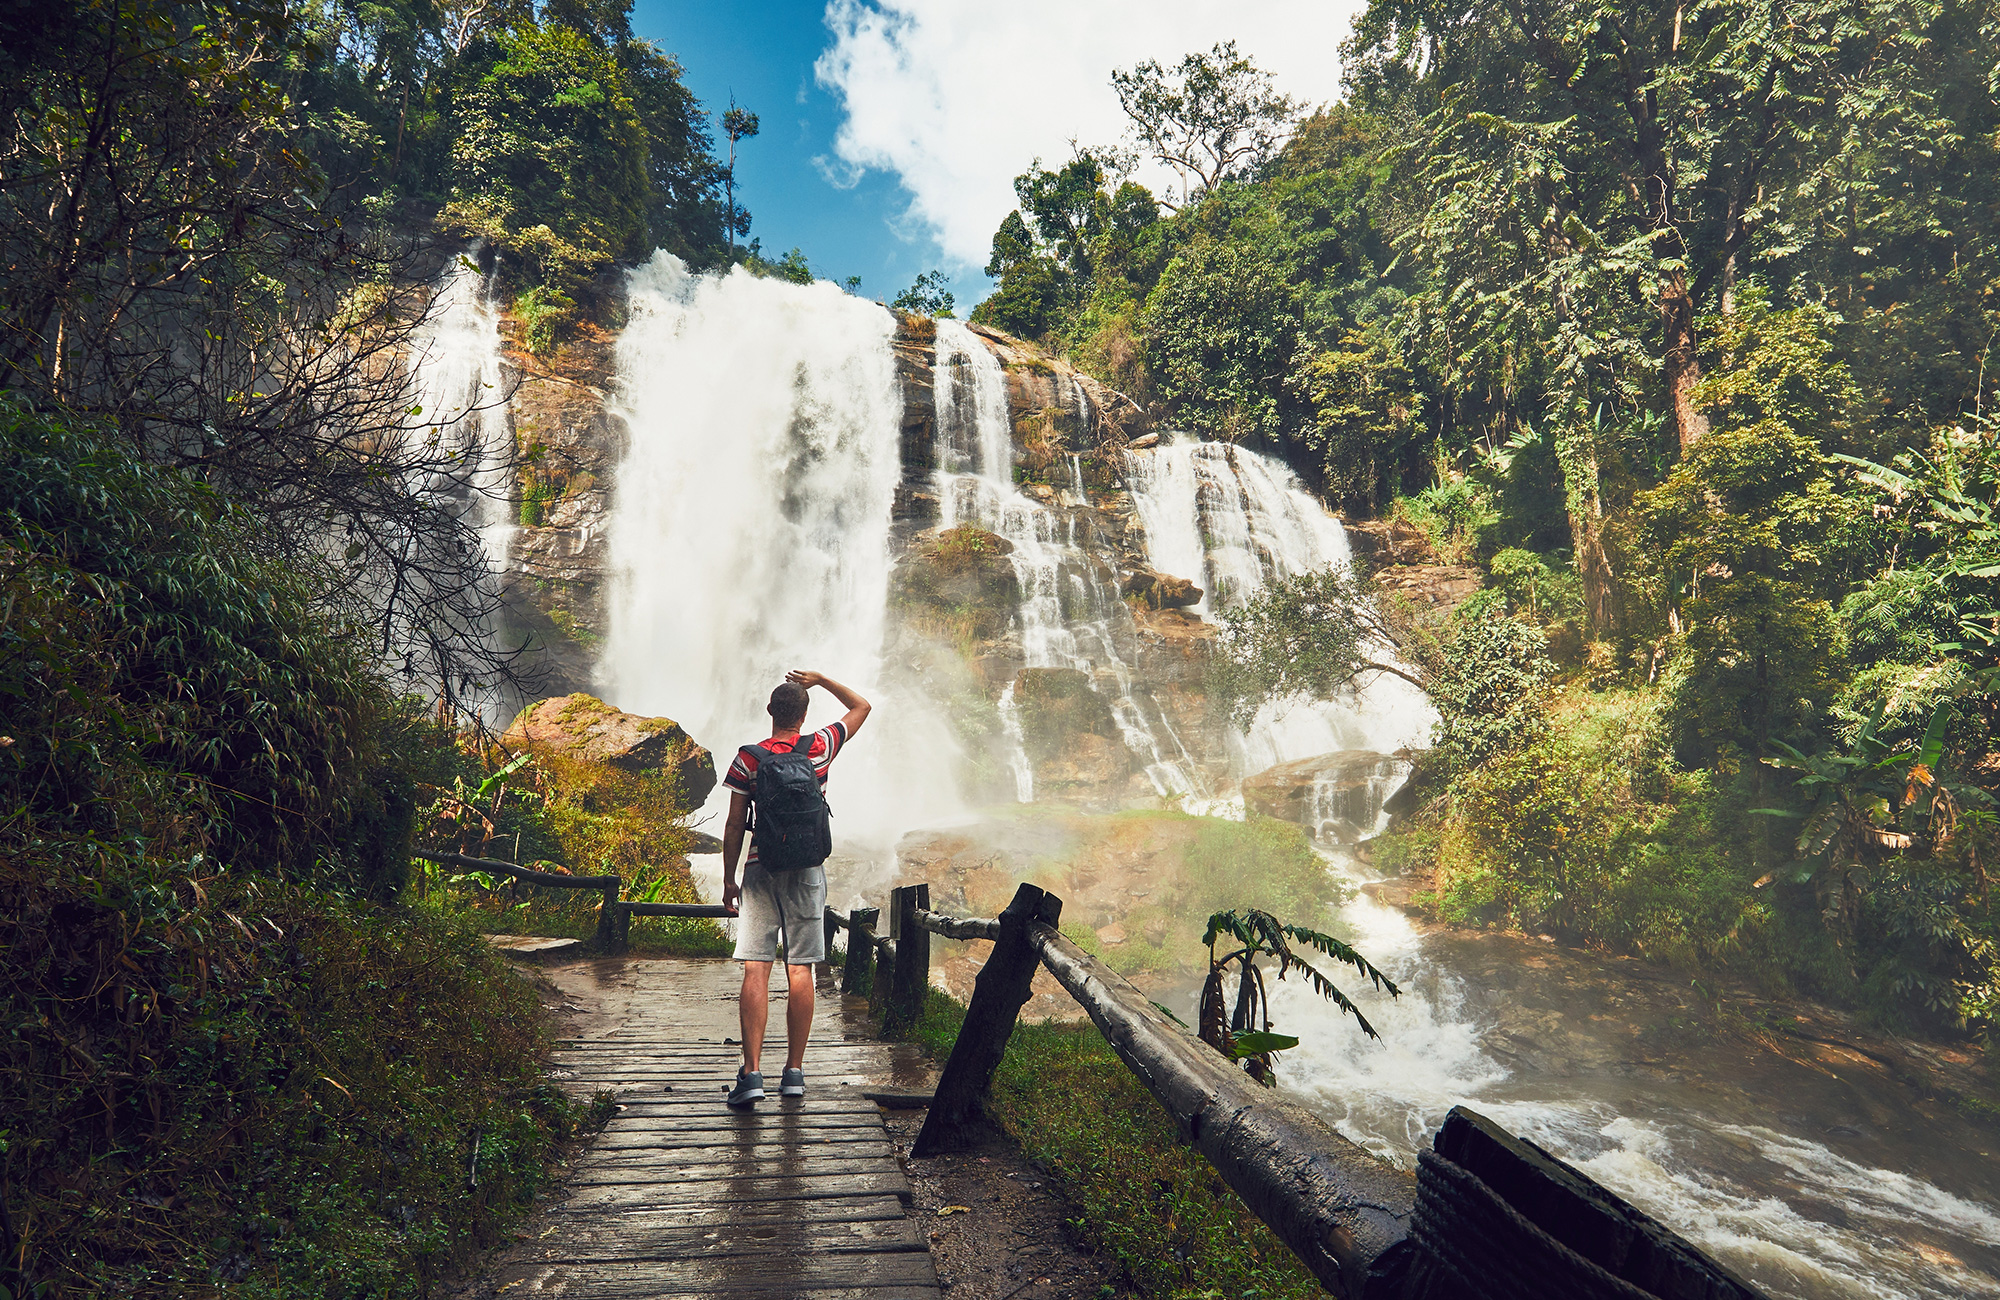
791,902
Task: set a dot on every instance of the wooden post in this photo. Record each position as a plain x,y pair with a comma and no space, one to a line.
860,948
885,977
1002,989
913,958
612,923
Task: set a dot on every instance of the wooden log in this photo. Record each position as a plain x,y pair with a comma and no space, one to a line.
913,959
860,948
952,927
1336,1206
715,910
518,872
832,927
998,995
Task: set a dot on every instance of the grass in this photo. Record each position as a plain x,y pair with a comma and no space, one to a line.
1137,1193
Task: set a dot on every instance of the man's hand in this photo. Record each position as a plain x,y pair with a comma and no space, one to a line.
732,893
857,708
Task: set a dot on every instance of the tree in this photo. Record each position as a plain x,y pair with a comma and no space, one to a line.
550,161
1313,635
926,296
1221,328
739,124
1215,116
1590,166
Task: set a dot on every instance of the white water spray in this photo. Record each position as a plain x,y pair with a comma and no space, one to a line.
751,535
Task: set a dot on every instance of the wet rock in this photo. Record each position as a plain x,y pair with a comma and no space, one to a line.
1161,590
586,729
1338,796
1111,935
957,583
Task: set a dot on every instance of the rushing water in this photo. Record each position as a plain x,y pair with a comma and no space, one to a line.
751,532
1743,1163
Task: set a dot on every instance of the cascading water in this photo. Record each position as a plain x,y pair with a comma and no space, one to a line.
1231,520
751,534
1070,614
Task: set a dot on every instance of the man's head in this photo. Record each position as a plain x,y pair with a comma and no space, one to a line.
788,705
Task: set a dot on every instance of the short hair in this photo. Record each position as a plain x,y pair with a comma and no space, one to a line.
788,704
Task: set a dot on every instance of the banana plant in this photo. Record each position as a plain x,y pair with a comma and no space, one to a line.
1243,1033
1862,805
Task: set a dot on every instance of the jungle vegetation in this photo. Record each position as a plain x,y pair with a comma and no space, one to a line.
1676,324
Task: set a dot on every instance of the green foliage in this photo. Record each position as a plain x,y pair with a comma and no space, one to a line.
209,802
1313,635
1364,416
790,268
1490,680
926,296
162,679
1220,323
1242,1032
549,159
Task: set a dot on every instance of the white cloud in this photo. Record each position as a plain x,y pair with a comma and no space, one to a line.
956,97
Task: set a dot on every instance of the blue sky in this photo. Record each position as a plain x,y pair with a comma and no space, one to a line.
764,52
892,129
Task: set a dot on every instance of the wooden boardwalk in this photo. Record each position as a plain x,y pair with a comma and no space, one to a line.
681,1196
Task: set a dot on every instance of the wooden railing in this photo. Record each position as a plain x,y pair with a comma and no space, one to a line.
1485,1215
614,915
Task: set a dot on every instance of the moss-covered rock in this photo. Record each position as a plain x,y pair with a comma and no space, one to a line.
584,728
957,583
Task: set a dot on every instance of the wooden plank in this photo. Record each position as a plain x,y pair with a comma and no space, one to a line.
739,1191
725,1168
669,1152
862,1277
808,1126
615,1239
835,1209
757,1137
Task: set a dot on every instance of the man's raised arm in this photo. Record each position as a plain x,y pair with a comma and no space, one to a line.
857,708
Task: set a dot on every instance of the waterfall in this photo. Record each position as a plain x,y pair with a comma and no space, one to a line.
1231,520
1070,613
751,534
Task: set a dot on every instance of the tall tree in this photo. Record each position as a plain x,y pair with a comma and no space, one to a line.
1214,116
739,124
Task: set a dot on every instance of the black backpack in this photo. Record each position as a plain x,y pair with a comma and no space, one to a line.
788,813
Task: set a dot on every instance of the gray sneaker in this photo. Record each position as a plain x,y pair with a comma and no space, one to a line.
749,1088
794,1082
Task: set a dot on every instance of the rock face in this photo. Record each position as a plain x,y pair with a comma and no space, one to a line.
585,728
1338,796
571,445
1070,734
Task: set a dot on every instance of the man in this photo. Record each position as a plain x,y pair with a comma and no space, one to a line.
769,903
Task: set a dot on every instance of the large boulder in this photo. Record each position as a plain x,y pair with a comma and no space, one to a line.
1338,796
585,728
1158,590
